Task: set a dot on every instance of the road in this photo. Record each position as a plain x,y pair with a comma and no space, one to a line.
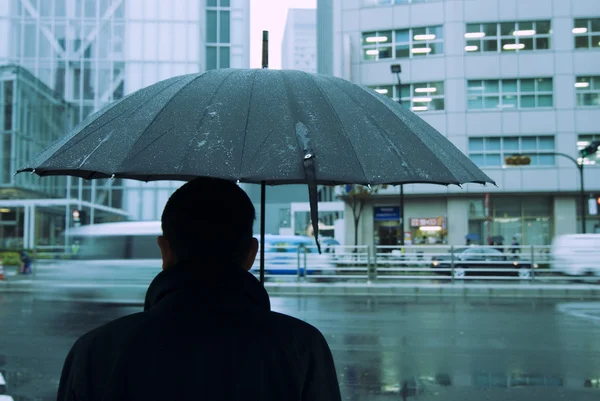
444,349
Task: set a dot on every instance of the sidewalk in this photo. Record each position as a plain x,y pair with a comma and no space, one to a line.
134,292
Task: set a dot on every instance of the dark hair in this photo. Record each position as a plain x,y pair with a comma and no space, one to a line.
209,221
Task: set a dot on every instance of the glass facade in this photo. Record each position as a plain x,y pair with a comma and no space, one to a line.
528,219
32,117
92,52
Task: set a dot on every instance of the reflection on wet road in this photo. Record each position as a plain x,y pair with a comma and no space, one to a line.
385,348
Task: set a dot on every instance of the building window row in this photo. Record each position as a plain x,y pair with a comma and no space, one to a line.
218,34
479,37
508,36
403,43
419,97
496,94
372,3
588,91
587,33
492,151
509,93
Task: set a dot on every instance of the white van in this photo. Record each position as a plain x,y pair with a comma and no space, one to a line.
577,254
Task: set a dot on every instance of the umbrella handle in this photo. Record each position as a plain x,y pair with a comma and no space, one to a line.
311,176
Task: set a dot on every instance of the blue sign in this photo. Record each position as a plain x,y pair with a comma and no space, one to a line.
386,213
349,188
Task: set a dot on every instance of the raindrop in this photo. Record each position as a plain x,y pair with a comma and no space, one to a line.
112,177
369,187
308,156
33,172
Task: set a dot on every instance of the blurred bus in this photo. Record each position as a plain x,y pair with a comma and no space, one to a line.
127,242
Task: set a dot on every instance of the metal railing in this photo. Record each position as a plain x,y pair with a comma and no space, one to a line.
383,264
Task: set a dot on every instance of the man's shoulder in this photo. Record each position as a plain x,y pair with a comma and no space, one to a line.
113,332
299,328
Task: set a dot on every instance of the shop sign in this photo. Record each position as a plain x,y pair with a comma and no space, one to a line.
386,213
429,222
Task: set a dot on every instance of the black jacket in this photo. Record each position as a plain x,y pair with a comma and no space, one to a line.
201,337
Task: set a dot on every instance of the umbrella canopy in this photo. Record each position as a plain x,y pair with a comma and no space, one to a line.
258,126
254,126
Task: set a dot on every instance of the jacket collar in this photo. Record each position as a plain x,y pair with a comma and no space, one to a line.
232,284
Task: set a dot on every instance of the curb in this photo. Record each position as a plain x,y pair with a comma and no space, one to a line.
134,293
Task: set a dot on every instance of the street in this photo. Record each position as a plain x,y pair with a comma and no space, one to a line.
450,349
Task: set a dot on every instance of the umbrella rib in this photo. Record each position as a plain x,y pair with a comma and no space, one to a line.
156,117
68,144
342,126
246,127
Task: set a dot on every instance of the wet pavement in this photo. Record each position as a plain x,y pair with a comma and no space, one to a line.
437,349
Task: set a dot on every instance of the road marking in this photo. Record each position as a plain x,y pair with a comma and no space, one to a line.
588,311
4,397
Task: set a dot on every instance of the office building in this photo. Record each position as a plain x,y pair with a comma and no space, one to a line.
497,77
88,53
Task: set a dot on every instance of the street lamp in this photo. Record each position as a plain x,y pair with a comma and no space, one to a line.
397,69
522,159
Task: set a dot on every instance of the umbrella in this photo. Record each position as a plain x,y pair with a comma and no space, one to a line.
258,126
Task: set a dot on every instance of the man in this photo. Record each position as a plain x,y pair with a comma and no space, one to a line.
207,331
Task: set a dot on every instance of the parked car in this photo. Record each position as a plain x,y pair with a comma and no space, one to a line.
476,257
576,254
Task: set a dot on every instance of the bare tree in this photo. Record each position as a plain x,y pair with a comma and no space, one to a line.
357,196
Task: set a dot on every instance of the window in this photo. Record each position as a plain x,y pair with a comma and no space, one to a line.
585,140
587,90
218,34
587,33
403,43
491,151
372,3
509,93
508,36
425,96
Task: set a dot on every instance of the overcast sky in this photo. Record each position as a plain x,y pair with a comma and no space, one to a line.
270,15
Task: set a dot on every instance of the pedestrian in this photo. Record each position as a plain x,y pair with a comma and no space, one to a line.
26,261
207,331
404,391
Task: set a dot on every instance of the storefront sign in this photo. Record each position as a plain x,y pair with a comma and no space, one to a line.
429,222
386,213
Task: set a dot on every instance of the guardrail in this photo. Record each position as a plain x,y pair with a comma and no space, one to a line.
439,263
430,262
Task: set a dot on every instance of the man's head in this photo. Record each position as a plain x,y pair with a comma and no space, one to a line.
208,221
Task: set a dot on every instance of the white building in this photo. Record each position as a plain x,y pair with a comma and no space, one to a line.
299,45
91,52
496,77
